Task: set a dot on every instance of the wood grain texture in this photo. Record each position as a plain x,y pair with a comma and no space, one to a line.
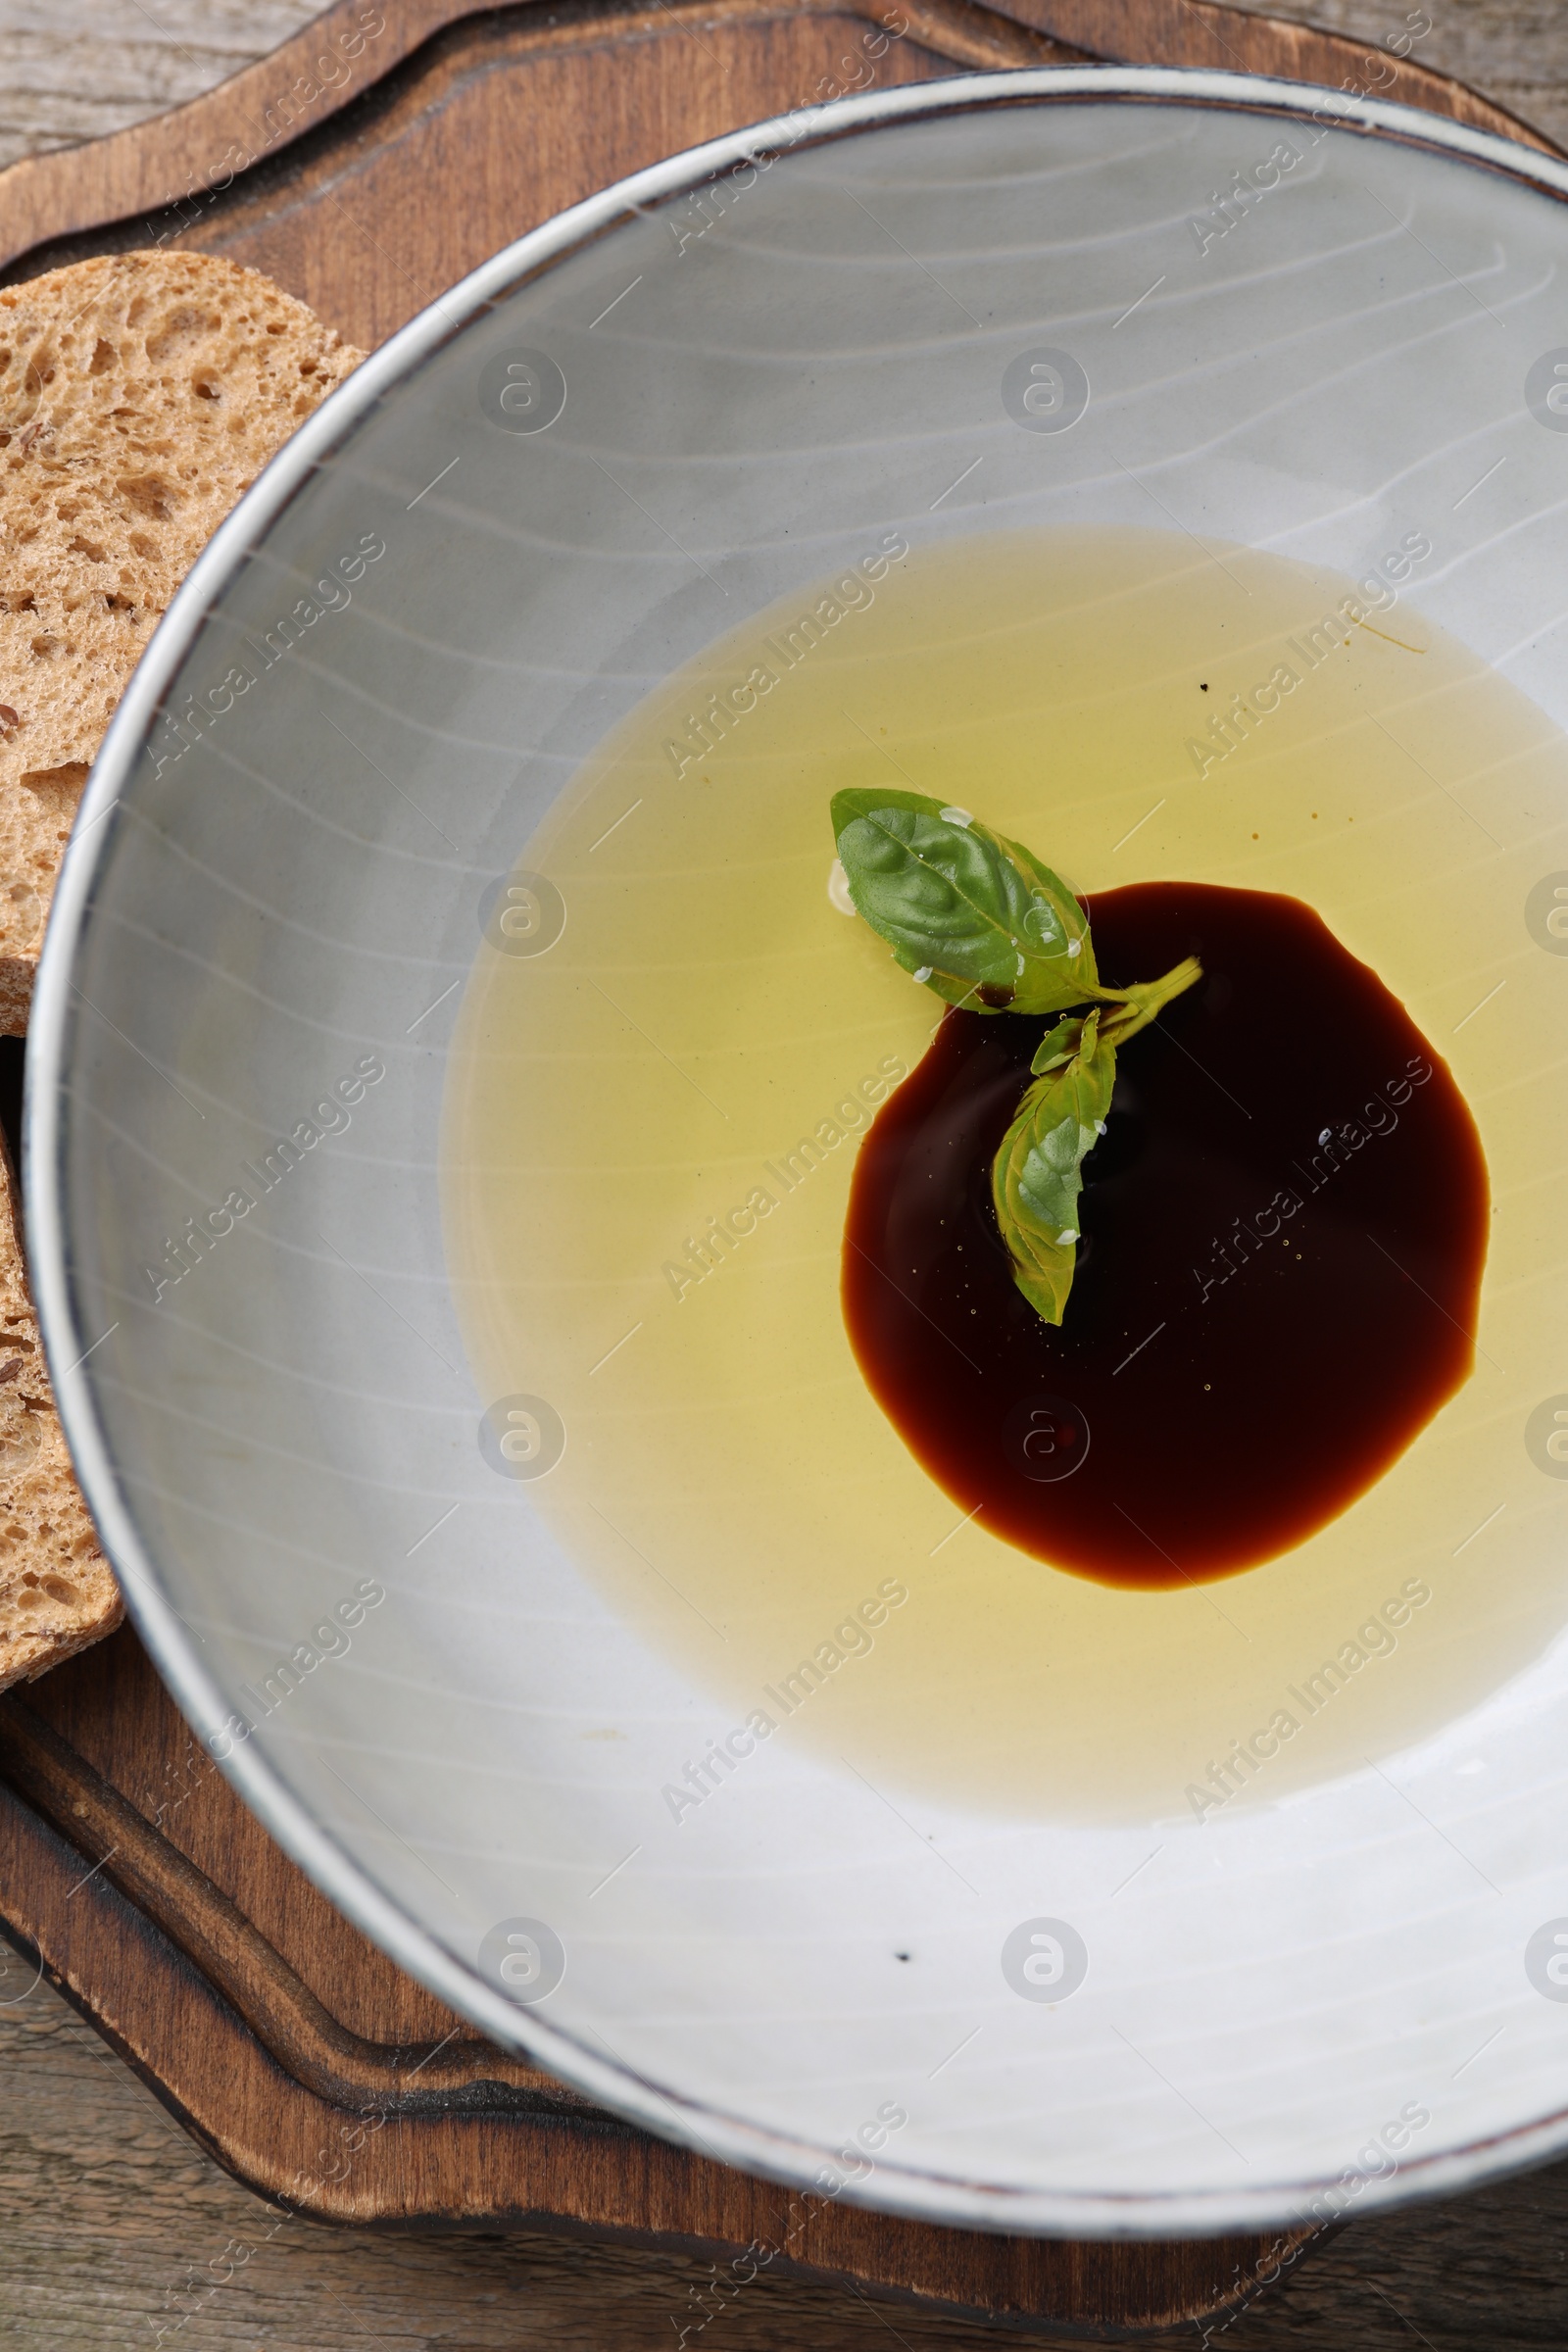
74,70
115,2226
604,90
590,125
294,2027
1198,32
1514,50
108,2212
348,2130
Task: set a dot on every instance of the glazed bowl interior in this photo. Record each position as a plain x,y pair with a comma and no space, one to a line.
463,1593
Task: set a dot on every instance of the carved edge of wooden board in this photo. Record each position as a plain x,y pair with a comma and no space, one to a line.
287,2017
379,2159
203,146
119,1913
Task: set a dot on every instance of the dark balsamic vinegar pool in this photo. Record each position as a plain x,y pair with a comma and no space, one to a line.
1284,1232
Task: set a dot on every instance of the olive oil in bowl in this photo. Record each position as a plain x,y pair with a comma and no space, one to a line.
651,1124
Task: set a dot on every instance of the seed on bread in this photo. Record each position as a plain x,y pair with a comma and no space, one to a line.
57,1591
141,395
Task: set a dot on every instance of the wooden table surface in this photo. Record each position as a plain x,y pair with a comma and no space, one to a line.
116,2230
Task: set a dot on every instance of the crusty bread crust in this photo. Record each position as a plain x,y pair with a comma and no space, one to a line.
140,394
57,1590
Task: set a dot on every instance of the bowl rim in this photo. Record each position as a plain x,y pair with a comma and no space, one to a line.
913,2193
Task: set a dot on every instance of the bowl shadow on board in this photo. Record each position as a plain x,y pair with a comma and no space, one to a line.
13,1063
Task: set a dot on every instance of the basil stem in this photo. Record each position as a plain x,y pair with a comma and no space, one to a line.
978,919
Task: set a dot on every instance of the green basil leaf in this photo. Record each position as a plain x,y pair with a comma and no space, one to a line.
1036,1177
1062,1041
976,917
981,921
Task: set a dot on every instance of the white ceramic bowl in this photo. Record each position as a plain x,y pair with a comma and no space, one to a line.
1331,1993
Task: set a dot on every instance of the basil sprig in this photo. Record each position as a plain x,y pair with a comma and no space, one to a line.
981,921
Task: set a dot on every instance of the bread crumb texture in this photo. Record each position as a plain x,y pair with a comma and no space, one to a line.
141,395
57,1590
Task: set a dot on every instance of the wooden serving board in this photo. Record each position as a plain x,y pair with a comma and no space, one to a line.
367,164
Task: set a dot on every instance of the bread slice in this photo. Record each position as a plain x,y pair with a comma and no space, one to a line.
57,1590
140,394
